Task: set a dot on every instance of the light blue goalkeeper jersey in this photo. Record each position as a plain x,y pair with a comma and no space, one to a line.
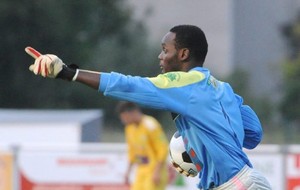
207,115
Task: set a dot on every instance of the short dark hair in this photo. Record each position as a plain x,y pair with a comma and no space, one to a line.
192,38
124,106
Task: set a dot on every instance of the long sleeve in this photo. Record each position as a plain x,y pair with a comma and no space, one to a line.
252,127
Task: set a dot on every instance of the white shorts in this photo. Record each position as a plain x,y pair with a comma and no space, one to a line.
247,179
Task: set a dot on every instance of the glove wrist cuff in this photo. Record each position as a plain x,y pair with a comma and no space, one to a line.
75,76
68,72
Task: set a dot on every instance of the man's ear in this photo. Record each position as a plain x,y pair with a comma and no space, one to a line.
184,54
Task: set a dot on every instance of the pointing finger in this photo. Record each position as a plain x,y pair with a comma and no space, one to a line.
32,52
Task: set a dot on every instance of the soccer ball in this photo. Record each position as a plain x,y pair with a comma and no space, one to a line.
180,158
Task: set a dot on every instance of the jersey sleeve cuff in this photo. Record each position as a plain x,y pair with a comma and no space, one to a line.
104,79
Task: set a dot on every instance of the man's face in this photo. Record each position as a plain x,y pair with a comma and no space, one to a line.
168,57
130,117
126,118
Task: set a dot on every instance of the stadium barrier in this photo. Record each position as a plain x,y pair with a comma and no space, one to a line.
101,166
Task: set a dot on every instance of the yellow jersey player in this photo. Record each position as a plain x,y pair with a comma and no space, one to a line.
147,148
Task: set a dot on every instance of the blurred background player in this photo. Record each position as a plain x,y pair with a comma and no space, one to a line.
147,148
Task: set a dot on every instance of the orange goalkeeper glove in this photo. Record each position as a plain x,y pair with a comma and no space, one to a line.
51,66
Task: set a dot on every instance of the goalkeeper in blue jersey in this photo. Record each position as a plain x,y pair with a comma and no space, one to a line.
211,118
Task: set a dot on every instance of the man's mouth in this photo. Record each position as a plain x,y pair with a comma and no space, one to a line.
161,67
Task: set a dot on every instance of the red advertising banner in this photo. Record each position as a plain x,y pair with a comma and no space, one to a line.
29,185
293,172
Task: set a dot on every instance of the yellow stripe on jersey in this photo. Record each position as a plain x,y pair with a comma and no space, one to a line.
177,79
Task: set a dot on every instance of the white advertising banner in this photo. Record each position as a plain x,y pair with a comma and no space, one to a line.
271,166
76,170
103,168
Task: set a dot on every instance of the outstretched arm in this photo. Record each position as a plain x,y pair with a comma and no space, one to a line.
149,92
